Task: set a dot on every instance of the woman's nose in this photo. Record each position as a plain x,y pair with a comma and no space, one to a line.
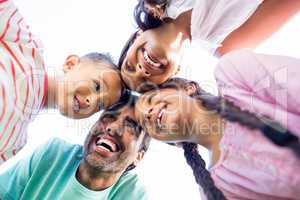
142,71
149,114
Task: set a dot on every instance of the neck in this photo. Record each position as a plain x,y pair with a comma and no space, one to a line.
183,23
208,129
51,100
95,180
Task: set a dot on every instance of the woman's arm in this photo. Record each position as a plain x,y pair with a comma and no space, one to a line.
269,17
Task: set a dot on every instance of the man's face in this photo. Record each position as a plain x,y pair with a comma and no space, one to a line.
114,141
87,87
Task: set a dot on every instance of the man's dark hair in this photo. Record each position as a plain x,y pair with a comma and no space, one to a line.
100,57
128,99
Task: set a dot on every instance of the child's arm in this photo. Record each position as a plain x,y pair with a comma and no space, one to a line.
268,18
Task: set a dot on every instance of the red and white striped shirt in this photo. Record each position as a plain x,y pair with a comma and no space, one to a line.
23,79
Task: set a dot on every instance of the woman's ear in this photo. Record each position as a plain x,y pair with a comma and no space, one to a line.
190,88
139,33
70,63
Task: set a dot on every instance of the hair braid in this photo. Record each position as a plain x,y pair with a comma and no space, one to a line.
202,176
269,128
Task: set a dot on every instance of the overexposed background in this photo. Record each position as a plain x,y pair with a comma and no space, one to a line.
80,27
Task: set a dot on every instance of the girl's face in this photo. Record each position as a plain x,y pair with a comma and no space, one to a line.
165,114
153,57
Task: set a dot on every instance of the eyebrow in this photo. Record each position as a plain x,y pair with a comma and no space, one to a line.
132,121
149,100
110,114
135,124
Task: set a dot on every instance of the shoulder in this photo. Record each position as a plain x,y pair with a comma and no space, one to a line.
129,186
57,146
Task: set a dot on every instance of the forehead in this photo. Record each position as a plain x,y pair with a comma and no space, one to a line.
124,111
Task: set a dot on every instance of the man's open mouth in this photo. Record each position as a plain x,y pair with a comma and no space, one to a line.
107,144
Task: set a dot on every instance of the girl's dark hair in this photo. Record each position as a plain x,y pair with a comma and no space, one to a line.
144,19
128,44
227,110
202,176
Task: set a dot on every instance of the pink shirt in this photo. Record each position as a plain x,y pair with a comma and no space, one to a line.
251,167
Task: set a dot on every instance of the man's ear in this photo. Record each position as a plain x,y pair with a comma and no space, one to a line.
190,88
139,157
71,62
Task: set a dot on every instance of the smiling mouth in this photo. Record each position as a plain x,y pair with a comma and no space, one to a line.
76,105
107,144
151,61
160,116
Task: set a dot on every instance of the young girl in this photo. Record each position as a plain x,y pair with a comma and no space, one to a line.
245,164
153,53
220,26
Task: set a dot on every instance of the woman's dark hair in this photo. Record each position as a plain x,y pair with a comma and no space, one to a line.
144,19
128,44
227,110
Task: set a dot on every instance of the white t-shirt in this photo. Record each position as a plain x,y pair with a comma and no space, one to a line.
176,7
213,20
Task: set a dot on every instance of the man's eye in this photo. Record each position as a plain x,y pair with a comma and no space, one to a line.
129,67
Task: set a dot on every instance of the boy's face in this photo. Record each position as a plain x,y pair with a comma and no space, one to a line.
87,86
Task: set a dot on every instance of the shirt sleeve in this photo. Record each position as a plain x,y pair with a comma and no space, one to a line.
263,84
13,27
213,20
13,180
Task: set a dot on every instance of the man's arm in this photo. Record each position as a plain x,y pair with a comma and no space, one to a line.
270,16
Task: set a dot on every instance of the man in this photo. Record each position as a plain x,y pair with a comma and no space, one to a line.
101,169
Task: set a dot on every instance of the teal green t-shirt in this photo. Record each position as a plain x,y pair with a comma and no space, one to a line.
49,174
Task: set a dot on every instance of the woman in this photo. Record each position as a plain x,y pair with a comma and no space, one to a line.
245,164
221,26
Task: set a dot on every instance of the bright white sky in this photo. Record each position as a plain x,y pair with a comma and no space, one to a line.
79,27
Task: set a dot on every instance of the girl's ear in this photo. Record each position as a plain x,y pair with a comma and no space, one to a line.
70,63
190,88
139,33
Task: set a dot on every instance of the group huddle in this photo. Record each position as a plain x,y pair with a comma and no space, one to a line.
254,150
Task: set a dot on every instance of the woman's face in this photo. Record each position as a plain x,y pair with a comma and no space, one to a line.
165,114
153,57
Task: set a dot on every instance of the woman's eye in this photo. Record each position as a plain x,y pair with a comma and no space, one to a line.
97,87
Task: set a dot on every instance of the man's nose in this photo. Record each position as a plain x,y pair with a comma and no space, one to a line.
142,71
112,129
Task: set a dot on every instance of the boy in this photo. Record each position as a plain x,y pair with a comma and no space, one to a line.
89,83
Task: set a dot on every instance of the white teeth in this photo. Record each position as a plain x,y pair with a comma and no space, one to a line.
159,117
107,143
104,148
149,61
